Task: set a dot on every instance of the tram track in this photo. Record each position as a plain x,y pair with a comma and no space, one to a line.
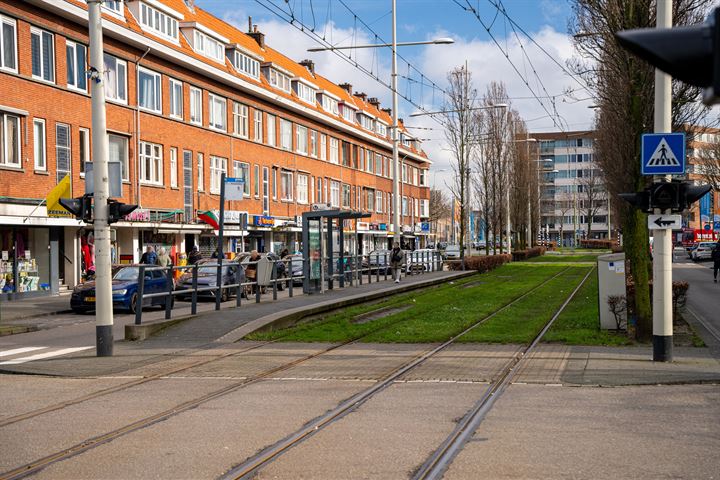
355,401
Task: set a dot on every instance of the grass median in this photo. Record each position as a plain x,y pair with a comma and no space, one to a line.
431,315
564,258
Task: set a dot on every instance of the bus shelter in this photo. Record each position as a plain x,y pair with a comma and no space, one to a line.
318,228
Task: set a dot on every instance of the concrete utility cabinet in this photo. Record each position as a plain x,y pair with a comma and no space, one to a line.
264,271
611,281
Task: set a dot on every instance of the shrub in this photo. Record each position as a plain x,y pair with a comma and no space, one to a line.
519,255
679,295
481,264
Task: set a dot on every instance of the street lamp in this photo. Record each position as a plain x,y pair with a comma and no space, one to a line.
397,215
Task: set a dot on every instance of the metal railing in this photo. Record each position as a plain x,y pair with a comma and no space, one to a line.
350,270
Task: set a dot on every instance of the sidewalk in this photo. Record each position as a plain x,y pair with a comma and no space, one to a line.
14,310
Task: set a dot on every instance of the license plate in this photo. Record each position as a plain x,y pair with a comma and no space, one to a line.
89,299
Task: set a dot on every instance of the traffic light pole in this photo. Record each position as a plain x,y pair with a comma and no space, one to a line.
662,239
103,270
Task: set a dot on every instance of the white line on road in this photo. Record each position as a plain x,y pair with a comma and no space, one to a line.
17,351
40,356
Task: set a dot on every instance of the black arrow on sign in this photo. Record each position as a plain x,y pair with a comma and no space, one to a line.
663,223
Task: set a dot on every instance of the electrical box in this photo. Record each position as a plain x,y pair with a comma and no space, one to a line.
611,281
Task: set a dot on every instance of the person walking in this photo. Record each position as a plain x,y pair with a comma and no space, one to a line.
396,260
716,260
163,259
195,256
149,257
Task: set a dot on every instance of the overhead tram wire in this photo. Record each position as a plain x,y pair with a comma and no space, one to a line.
283,15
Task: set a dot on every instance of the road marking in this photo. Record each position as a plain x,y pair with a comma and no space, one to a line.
40,356
17,351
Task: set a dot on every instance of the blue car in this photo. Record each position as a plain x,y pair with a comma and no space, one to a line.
124,290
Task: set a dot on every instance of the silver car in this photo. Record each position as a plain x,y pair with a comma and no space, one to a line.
703,251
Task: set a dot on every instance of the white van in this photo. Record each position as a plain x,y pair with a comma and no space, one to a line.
452,252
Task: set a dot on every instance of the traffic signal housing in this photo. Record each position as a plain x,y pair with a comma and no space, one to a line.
81,207
117,210
639,200
690,54
665,196
690,194
675,196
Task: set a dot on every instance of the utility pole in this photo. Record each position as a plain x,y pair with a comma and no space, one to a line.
103,269
396,137
662,258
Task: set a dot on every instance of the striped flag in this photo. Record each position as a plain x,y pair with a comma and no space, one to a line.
209,217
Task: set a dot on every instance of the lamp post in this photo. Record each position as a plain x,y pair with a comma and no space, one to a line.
397,215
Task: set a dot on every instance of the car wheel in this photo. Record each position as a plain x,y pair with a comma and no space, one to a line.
133,303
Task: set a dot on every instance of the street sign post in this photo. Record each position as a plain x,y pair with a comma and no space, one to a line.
663,154
234,188
664,222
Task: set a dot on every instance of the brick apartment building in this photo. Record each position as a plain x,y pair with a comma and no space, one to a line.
188,97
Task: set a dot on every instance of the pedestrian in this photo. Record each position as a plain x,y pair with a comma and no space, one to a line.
284,253
716,260
163,259
396,259
195,256
216,253
149,257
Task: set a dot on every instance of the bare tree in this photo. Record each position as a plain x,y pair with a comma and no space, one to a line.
564,205
623,87
523,182
439,207
592,196
708,165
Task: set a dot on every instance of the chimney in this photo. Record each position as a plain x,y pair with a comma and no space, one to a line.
388,111
347,87
362,96
255,34
309,64
374,102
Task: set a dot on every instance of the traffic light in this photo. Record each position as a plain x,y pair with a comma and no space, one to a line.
676,196
690,194
117,210
690,54
665,195
640,200
81,207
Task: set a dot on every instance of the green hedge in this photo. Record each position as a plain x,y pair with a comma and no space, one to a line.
481,263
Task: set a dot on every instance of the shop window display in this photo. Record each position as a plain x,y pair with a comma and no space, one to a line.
24,260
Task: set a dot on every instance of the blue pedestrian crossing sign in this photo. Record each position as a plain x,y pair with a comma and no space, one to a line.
663,154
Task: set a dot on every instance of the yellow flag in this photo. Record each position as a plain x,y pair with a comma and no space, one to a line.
61,190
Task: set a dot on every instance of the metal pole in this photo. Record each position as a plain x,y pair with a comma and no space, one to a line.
662,260
221,255
527,159
103,269
395,138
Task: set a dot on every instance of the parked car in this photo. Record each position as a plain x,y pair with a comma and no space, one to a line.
232,273
421,260
378,260
703,251
478,245
452,252
124,290
295,269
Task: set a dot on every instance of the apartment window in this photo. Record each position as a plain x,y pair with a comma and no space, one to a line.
76,54
348,113
334,150
330,104
335,193
415,176
378,164
323,147
245,64
381,128
266,191
378,201
84,137
271,136
42,53
218,112
218,166
285,134
313,143
286,185
301,139
256,179
113,5
404,174
196,106
258,125
117,151
366,122
345,196
370,165
274,184
176,99
319,195
115,79
404,206
242,170
151,166
63,152
201,171
423,178
240,119
8,42
305,92
279,80
370,200
158,22
345,152
302,188
39,144
208,46
361,158
149,91
173,167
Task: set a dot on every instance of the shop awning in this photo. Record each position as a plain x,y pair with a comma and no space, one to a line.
232,233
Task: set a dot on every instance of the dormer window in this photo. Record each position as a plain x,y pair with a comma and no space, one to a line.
381,128
244,63
366,122
156,21
348,113
330,104
305,92
278,79
113,5
208,46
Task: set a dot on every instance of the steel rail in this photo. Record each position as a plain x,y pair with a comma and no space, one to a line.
250,467
440,460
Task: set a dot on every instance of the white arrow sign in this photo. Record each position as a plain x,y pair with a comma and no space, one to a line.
664,222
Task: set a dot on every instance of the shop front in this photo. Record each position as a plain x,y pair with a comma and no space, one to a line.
260,233
287,234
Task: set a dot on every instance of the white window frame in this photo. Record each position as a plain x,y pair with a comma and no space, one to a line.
217,115
157,22
334,150
9,22
218,166
240,120
313,143
301,139
279,80
378,201
243,63
258,125
305,93
378,164
285,134
274,184
348,113
256,180
302,188
208,46
196,106
84,150
115,79
114,6
346,194
329,104
4,145
39,145
34,31
155,156
286,185
271,130
370,200
334,194
323,147
175,91
123,151
370,162
79,70
242,170
201,171
143,103
173,167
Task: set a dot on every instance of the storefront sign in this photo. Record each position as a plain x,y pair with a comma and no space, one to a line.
236,217
5,255
363,226
374,226
139,215
263,221
61,190
383,227
407,229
